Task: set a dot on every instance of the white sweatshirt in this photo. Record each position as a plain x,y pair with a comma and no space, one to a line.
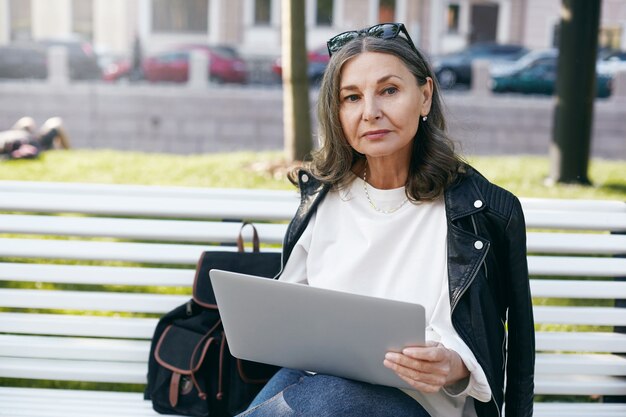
349,246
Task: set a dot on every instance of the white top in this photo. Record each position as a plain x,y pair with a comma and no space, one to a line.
349,246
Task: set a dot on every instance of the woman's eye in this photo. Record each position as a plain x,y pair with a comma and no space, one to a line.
351,97
390,90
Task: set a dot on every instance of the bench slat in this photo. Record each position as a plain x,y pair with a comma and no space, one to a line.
189,255
193,208
601,316
528,203
91,301
211,231
546,219
139,229
71,325
595,289
129,372
73,370
576,266
576,243
178,192
584,364
80,274
100,350
104,350
580,341
74,403
579,385
161,303
109,251
557,409
97,275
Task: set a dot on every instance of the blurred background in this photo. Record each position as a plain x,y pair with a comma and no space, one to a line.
197,76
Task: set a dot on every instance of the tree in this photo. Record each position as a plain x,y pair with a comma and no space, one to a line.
296,105
576,91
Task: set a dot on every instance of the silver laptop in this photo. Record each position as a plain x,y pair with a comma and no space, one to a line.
314,329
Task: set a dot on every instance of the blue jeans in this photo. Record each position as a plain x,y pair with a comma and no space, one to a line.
297,393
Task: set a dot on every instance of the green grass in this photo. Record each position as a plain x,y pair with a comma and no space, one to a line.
523,175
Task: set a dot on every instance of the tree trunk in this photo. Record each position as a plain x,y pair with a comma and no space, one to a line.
576,91
296,106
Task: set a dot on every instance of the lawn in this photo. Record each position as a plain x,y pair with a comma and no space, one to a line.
523,175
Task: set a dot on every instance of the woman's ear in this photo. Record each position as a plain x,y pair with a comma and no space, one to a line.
427,94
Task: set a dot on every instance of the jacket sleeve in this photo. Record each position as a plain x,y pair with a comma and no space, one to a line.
521,331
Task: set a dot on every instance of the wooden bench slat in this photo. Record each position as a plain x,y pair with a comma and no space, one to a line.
594,289
576,266
189,255
72,403
569,205
99,275
74,325
601,316
547,219
193,208
81,274
248,194
545,409
580,341
211,231
73,370
584,364
579,385
138,229
162,253
576,243
161,303
117,350
91,301
100,350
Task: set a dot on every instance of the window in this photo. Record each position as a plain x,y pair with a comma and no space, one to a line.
180,16
21,22
387,11
82,18
262,12
324,13
452,18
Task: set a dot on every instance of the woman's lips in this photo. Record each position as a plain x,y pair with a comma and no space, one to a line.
375,134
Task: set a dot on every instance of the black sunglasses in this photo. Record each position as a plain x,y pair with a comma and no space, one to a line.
381,31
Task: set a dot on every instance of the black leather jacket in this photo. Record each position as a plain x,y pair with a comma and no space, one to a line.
488,282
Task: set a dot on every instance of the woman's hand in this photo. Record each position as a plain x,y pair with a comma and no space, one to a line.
427,368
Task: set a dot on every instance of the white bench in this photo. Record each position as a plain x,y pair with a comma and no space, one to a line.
68,317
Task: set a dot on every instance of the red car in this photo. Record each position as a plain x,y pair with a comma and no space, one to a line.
318,59
225,65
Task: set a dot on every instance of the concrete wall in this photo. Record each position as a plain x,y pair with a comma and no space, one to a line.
184,120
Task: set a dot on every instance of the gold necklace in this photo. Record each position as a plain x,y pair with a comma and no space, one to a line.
367,194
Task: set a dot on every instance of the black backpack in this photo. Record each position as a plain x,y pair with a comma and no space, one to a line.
190,370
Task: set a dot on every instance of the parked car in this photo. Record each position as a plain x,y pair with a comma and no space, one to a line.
456,68
83,62
539,76
317,62
612,63
225,65
23,61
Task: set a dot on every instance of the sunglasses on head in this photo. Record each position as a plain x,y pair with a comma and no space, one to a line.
381,31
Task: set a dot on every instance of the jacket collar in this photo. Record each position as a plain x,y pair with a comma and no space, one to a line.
464,198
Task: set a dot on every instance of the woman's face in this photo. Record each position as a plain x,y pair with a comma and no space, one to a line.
381,105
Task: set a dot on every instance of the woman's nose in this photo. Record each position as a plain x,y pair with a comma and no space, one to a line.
371,110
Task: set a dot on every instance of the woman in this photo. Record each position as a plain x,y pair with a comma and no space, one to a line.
389,210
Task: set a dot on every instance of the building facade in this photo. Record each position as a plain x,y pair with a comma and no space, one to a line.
254,26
